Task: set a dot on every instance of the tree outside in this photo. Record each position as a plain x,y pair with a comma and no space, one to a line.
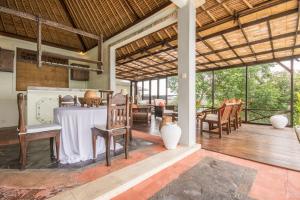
268,89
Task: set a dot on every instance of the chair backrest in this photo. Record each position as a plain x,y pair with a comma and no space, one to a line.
234,110
67,100
117,111
21,110
226,111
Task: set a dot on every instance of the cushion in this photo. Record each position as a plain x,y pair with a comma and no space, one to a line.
212,117
43,128
103,127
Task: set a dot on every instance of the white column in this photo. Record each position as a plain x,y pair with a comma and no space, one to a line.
112,68
186,72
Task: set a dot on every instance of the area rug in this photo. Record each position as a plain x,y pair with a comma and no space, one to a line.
39,155
210,179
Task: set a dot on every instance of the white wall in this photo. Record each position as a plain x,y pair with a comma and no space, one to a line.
122,85
8,93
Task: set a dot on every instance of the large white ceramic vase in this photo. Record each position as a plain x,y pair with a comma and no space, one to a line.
279,121
171,134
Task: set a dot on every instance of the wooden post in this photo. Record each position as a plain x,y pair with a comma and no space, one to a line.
292,92
39,42
167,90
100,52
246,95
150,91
213,89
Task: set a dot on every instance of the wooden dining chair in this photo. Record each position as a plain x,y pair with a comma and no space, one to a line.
233,117
118,124
238,113
36,132
216,119
67,100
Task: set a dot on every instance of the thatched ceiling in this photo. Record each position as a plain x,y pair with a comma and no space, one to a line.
107,17
230,33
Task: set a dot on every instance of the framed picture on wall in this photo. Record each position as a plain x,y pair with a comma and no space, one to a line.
80,75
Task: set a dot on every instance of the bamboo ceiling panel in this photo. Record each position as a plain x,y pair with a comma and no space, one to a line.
107,17
230,33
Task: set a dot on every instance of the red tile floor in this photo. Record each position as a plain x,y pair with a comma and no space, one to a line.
40,184
271,183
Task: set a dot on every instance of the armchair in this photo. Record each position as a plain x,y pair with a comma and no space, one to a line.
216,119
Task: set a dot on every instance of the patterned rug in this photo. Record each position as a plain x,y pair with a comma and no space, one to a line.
210,179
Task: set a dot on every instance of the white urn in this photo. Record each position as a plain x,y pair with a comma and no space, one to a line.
279,121
171,134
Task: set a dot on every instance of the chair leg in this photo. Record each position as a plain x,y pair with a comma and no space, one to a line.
57,146
130,134
107,144
94,138
126,143
23,145
51,148
228,128
201,127
220,130
115,143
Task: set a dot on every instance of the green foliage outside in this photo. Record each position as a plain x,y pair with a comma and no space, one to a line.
268,89
297,109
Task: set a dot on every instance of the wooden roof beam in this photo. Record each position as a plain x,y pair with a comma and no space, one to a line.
245,35
67,12
270,37
297,27
251,55
243,13
232,49
48,22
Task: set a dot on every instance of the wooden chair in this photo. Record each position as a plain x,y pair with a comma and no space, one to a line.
67,100
36,132
216,119
141,113
238,113
117,124
233,116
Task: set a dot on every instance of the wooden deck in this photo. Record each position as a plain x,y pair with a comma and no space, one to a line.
253,142
258,143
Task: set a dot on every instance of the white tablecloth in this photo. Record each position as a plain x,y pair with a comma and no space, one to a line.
76,134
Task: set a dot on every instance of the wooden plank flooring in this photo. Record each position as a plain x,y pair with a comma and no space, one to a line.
258,143
253,142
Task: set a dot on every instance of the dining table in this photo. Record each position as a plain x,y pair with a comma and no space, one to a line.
76,133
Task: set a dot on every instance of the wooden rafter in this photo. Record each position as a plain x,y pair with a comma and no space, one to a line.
67,11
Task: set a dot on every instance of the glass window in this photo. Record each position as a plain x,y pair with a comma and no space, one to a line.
172,90
268,92
162,88
154,89
297,92
146,90
203,90
139,89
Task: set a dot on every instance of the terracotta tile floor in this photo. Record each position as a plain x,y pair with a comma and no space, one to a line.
271,183
43,183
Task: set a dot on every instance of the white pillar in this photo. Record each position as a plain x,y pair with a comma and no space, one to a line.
186,72
112,68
